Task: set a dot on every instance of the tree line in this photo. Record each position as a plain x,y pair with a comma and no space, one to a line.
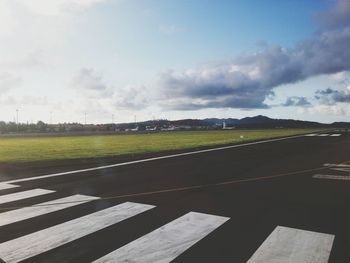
40,126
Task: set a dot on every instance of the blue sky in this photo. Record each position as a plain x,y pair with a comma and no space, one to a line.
173,59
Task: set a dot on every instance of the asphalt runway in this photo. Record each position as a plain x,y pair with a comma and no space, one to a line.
265,202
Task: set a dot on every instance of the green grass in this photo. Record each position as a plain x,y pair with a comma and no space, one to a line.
21,149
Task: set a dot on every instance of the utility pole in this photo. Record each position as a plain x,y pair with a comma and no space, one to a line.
85,117
113,124
17,118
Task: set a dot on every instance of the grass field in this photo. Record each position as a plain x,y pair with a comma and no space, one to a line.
20,149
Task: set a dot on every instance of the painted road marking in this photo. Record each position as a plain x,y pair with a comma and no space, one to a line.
347,170
4,186
167,242
286,244
332,177
337,165
151,159
322,135
43,208
36,243
23,195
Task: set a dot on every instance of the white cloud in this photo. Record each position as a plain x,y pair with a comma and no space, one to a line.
56,7
7,21
132,97
8,81
340,77
170,29
26,14
336,110
93,88
33,100
90,83
29,60
8,101
88,79
32,31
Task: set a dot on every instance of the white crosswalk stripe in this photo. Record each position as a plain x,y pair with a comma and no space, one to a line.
43,208
344,168
331,165
23,195
322,135
4,186
167,242
294,245
36,243
180,234
332,177
159,246
347,170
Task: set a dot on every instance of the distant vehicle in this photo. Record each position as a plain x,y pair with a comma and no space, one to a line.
149,128
171,128
224,127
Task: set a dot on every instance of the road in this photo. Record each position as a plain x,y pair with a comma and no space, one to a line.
265,202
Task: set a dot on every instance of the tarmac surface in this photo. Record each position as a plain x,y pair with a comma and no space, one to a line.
238,197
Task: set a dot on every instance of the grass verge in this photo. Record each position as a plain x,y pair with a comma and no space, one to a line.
24,149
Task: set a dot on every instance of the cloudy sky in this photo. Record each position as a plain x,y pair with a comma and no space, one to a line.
174,59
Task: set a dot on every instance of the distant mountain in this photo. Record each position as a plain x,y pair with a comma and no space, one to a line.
341,124
247,120
228,121
264,122
256,122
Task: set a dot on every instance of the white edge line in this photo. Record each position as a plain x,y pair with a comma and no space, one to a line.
150,159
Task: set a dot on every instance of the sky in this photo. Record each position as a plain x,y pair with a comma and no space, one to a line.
117,60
